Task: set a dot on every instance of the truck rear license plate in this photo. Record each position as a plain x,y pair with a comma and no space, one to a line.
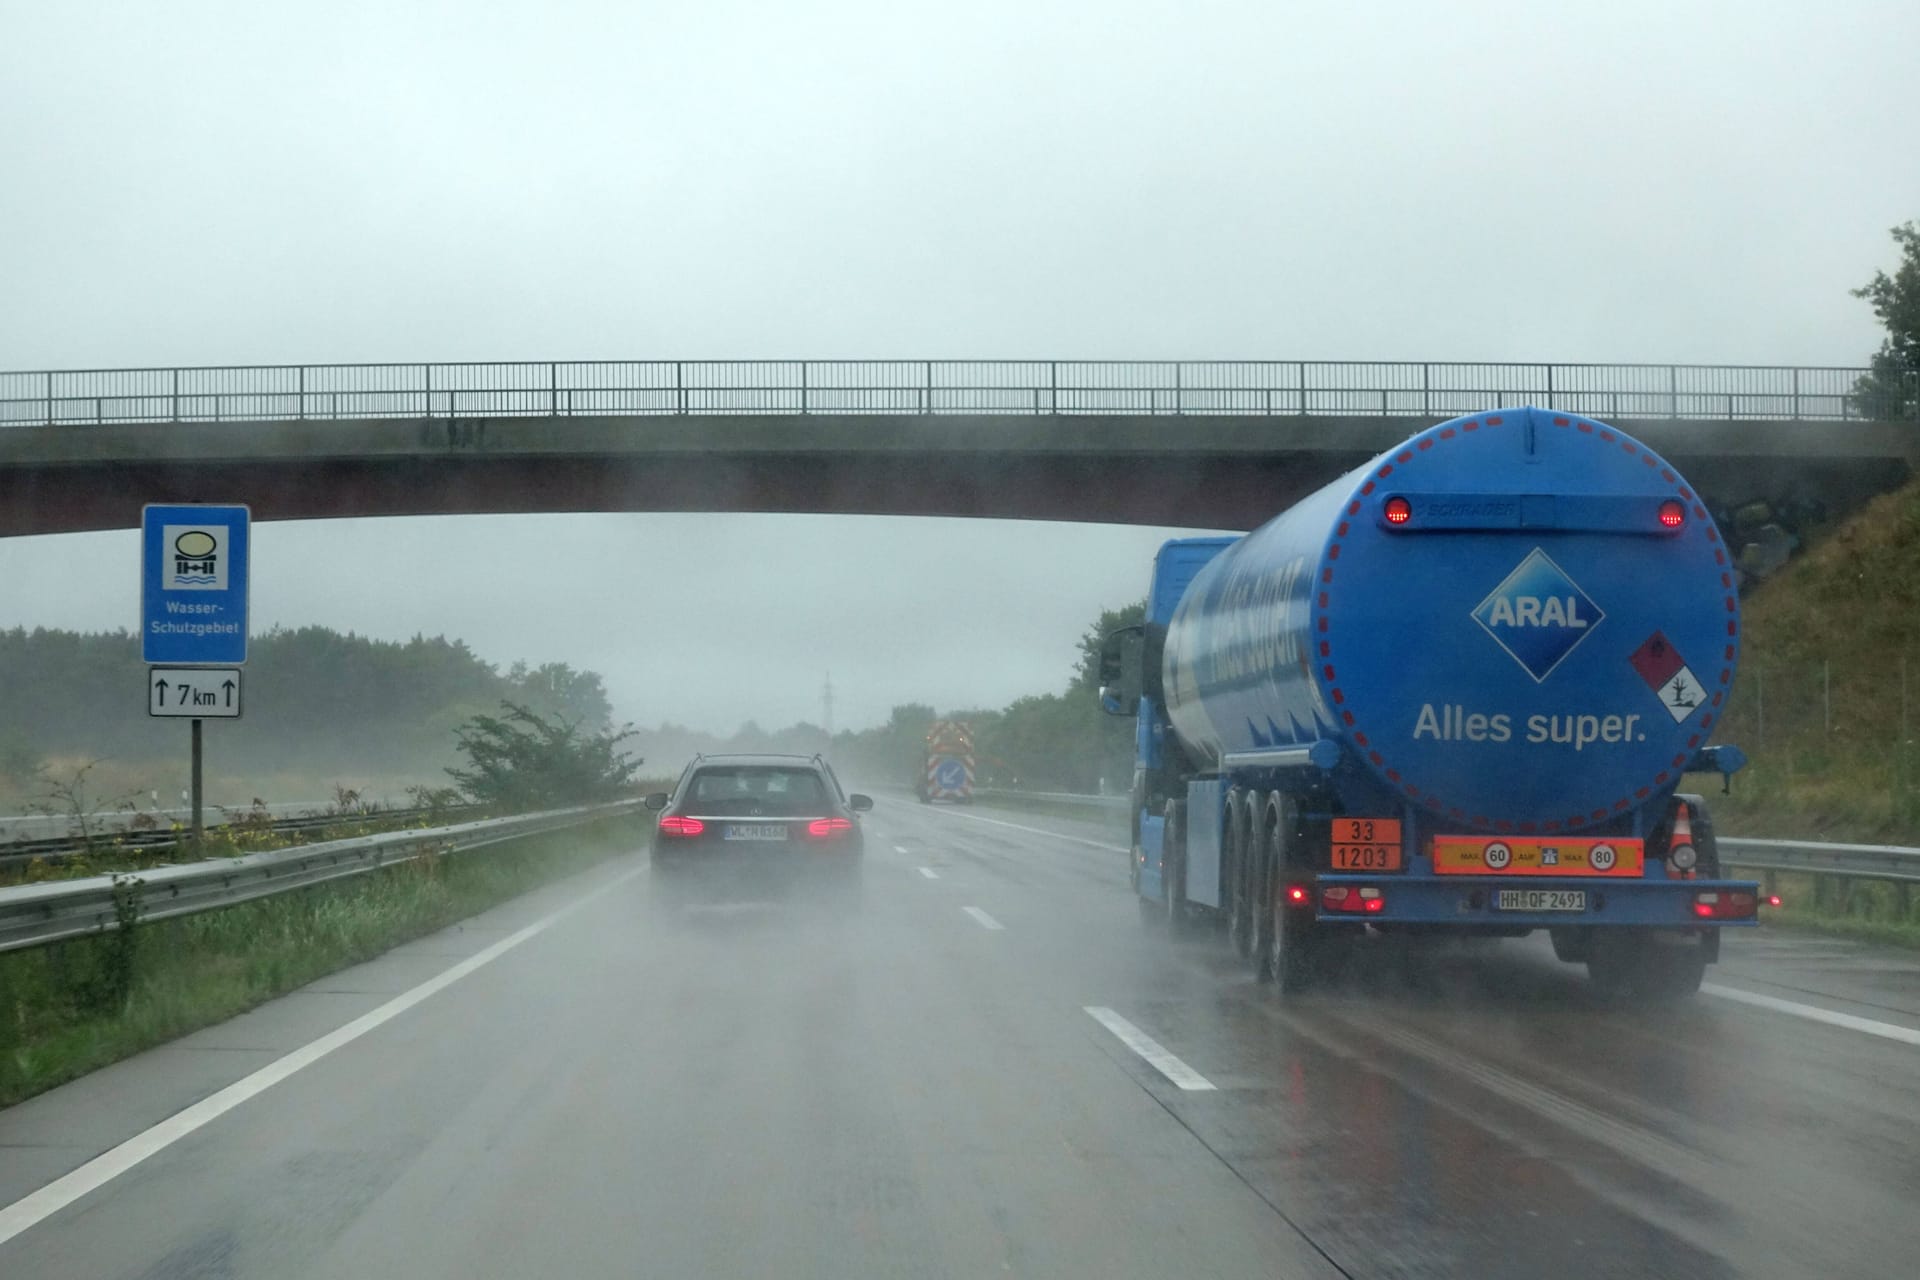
773,831
1542,900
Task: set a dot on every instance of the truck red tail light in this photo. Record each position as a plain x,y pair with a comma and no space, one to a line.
1398,511
1361,900
826,827
1732,905
1297,895
678,826
1673,514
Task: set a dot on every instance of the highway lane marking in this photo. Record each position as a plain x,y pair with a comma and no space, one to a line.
899,848
1814,1013
929,873
1157,1055
39,1205
986,921
1038,831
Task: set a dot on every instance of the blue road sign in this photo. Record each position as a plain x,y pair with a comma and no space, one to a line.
951,775
193,585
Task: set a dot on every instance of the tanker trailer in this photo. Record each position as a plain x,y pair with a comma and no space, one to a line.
1454,691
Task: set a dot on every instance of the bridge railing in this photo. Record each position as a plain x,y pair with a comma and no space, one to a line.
1185,387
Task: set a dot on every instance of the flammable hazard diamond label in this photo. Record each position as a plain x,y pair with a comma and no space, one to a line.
1667,674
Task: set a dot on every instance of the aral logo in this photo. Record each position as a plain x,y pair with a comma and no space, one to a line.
1538,614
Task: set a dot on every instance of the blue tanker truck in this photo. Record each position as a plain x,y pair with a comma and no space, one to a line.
1453,692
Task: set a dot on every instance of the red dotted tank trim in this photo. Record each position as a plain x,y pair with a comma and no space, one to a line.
1328,672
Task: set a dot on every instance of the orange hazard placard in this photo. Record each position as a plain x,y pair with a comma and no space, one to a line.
1537,856
1366,844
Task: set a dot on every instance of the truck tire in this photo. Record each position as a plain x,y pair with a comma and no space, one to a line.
1639,966
1173,869
1299,941
1263,841
1238,859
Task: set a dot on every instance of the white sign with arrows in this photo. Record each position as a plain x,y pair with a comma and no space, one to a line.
194,692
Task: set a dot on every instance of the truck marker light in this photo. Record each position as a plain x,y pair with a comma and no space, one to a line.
1672,514
1398,511
1296,894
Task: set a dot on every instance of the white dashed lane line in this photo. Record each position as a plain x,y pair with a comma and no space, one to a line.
1157,1055
985,921
1813,1013
1035,831
929,873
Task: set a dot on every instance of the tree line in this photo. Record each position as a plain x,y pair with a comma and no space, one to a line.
316,700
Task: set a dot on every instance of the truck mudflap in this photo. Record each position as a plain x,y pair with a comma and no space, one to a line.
1536,902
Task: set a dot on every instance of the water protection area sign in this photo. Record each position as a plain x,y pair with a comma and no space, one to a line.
194,692
193,585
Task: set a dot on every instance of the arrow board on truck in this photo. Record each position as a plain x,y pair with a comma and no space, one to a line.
199,693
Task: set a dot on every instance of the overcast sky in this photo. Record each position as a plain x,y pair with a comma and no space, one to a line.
202,183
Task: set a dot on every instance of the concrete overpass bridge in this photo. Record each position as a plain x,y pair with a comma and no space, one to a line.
1218,444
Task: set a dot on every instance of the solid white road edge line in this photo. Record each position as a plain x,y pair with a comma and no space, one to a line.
929,873
39,1205
986,921
1152,1050
1814,1013
1038,831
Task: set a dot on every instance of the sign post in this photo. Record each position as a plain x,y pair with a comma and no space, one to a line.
194,571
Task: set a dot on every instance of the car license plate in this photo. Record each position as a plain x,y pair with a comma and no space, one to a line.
771,831
1542,900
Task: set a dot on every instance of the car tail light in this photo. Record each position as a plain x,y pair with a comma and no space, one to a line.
1673,514
678,826
1733,905
1398,511
824,827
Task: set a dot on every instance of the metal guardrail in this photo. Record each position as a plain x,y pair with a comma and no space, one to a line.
34,915
1851,861
561,388
56,849
1896,863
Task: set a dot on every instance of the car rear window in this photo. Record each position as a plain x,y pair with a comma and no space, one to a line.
758,789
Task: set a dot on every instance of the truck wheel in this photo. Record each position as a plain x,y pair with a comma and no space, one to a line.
1263,842
1299,941
1642,967
1173,868
1239,860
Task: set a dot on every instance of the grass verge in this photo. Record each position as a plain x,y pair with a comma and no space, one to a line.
76,1006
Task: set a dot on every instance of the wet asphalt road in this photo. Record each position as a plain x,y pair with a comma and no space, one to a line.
914,1087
